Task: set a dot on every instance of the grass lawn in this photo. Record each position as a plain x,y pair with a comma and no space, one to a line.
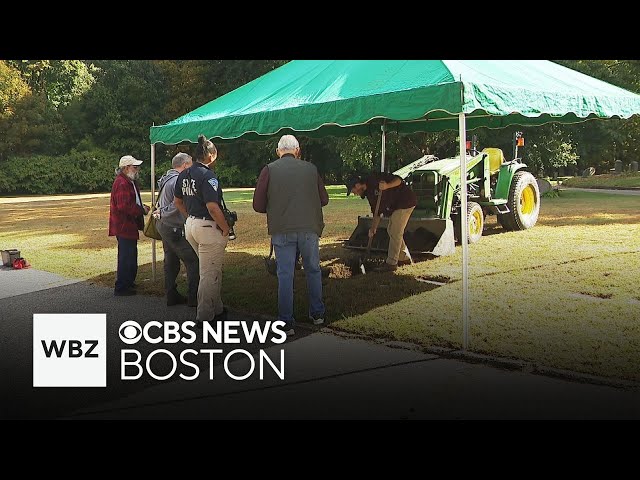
624,180
563,294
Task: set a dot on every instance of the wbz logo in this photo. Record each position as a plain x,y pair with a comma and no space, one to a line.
74,349
69,350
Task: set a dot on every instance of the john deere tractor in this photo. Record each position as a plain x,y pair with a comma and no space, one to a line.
494,187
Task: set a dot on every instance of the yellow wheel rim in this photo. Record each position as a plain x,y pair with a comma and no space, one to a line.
528,200
475,223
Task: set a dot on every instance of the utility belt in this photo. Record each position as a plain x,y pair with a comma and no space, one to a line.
201,218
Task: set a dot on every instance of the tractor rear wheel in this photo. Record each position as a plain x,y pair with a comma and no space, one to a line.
523,203
475,223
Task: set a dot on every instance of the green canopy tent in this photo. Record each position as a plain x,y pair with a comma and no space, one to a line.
341,97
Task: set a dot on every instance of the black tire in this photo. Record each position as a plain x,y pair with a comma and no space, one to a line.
523,203
475,223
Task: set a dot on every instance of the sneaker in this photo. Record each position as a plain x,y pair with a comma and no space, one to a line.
317,319
402,263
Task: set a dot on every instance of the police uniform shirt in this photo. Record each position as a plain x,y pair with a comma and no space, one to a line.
197,186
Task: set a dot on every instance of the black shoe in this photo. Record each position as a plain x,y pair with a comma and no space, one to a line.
175,299
288,329
385,267
221,317
124,293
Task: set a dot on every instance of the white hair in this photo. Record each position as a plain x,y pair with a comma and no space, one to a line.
180,159
288,142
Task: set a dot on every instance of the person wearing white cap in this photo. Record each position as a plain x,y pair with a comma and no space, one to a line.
125,219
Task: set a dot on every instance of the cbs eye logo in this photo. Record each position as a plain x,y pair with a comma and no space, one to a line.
130,332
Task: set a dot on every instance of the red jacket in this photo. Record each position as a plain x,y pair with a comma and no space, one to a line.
125,216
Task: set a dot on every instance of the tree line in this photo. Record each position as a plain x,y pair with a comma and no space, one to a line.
65,123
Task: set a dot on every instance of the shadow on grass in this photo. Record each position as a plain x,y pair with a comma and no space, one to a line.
247,286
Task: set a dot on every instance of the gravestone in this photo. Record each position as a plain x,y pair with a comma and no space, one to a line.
588,172
634,167
544,185
618,167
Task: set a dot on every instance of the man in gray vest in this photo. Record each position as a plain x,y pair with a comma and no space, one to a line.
292,194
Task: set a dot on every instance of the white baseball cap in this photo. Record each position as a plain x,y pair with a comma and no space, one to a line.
129,160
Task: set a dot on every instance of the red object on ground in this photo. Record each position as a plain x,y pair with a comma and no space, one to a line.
20,263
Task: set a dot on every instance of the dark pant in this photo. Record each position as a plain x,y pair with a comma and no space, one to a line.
127,263
177,248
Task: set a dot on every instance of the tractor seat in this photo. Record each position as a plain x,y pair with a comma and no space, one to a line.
496,159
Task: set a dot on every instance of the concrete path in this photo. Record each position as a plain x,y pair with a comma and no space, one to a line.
603,190
85,196
326,376
329,377
19,282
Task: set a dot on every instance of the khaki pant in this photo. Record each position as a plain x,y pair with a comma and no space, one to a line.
207,241
397,248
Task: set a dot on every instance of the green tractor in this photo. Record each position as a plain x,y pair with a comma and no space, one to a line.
494,187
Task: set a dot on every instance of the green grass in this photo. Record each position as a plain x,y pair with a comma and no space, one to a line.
563,294
624,180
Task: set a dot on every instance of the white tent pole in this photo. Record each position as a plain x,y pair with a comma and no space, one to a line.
465,227
384,144
153,202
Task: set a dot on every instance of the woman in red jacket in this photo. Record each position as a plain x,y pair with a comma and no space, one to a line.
125,219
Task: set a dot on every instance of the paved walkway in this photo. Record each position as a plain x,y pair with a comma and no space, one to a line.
604,190
329,377
326,376
19,282
84,196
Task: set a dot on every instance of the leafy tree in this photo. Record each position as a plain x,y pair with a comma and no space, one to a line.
12,89
599,143
60,80
549,148
127,98
34,129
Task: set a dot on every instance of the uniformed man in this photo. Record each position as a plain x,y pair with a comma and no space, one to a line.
198,195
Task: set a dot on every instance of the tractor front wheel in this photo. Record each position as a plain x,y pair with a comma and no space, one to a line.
475,223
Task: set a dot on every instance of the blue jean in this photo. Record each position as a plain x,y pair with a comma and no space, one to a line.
127,263
285,246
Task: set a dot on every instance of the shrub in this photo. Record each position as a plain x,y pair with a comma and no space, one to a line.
75,172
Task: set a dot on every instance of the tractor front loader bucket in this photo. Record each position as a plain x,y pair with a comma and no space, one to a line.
422,235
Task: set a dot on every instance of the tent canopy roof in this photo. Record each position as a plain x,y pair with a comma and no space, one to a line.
343,97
